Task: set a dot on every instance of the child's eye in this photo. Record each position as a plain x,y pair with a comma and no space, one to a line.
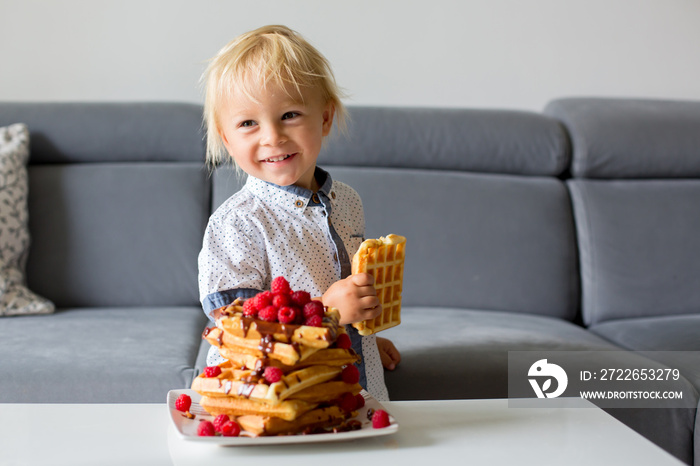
247,124
289,115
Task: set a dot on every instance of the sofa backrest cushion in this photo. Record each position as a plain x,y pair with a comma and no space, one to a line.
477,241
484,141
118,201
631,138
109,132
112,234
636,198
639,247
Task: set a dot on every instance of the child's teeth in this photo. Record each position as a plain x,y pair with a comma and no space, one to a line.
278,159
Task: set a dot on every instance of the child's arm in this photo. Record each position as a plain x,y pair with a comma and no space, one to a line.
354,297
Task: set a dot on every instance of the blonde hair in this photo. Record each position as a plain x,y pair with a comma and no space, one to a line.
270,54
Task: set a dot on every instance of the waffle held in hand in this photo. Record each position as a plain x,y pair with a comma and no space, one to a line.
382,258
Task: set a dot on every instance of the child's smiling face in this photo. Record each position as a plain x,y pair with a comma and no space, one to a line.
276,134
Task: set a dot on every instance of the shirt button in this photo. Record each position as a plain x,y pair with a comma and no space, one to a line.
315,199
335,257
333,194
329,221
299,203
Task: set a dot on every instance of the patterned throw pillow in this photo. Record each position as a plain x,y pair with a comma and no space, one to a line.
15,298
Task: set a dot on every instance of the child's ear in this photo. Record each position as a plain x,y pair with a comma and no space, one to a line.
328,115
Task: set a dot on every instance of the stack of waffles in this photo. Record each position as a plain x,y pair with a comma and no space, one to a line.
382,258
306,392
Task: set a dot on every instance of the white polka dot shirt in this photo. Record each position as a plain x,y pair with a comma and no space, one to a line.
265,231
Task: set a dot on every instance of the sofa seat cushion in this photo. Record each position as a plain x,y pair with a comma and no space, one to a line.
456,353
107,355
452,353
674,342
672,339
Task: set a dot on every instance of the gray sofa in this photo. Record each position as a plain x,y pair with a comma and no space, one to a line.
574,229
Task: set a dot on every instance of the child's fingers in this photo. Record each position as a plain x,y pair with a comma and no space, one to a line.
368,302
387,360
373,313
365,292
393,354
362,279
364,284
389,354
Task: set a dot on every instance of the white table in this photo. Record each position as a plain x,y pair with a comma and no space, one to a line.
431,433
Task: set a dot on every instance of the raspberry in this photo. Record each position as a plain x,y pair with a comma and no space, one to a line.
314,321
347,402
281,285
280,300
313,308
249,308
380,419
206,429
262,299
219,421
343,341
212,371
272,374
230,429
183,403
360,400
288,315
268,314
351,374
300,298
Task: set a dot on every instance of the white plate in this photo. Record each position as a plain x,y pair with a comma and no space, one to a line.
187,428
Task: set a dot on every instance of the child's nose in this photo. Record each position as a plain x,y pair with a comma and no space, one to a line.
273,136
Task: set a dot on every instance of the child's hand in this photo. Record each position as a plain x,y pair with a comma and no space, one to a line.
354,297
389,354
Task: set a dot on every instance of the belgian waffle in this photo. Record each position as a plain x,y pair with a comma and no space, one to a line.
286,353
329,416
314,384
327,391
237,406
327,356
382,258
316,337
249,385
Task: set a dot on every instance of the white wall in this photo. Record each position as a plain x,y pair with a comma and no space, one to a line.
469,53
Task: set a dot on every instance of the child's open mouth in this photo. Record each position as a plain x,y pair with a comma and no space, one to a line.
279,158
